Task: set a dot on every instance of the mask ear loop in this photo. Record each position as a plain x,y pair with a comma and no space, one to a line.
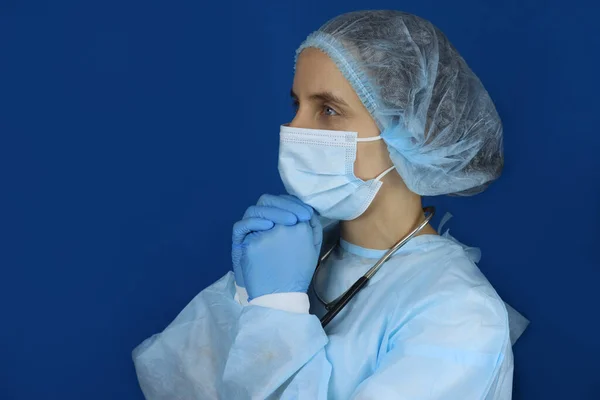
384,173
373,139
369,139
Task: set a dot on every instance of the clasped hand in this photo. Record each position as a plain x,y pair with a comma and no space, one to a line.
276,246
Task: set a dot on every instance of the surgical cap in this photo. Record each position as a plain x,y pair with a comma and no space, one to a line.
438,121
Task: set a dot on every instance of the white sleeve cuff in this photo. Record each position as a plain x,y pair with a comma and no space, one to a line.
295,302
241,295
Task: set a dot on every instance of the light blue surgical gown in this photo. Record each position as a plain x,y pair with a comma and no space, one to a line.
428,326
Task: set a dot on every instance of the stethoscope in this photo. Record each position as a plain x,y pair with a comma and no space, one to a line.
335,306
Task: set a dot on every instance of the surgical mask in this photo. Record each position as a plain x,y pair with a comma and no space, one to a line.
317,166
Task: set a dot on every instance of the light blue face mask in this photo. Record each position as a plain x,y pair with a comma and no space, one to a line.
317,166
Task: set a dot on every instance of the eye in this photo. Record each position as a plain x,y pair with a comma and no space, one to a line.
330,112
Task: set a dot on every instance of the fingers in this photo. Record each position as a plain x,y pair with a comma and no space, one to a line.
317,229
276,215
288,203
298,201
238,274
248,225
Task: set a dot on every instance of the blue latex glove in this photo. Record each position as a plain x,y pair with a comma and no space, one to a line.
240,230
283,258
270,210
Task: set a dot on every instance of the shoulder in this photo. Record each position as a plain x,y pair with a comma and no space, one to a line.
442,267
450,320
448,296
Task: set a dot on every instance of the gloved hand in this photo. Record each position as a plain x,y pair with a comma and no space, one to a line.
276,246
240,230
270,210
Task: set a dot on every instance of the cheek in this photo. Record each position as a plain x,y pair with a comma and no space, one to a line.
372,158
334,124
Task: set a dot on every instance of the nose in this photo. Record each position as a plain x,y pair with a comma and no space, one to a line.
296,122
301,120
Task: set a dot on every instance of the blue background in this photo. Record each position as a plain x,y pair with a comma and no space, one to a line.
134,134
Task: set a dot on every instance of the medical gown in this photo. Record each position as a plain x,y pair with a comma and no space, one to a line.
427,326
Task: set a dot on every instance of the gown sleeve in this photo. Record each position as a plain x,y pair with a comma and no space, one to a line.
449,349
217,349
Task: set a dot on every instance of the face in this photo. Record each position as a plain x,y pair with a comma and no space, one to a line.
324,99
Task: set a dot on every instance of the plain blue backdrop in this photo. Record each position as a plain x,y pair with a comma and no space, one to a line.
134,134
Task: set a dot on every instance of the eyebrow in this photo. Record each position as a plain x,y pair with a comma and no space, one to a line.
325,97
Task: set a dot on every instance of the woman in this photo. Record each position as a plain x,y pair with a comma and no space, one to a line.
387,111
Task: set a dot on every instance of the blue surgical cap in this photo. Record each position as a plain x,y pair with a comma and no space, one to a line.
438,121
